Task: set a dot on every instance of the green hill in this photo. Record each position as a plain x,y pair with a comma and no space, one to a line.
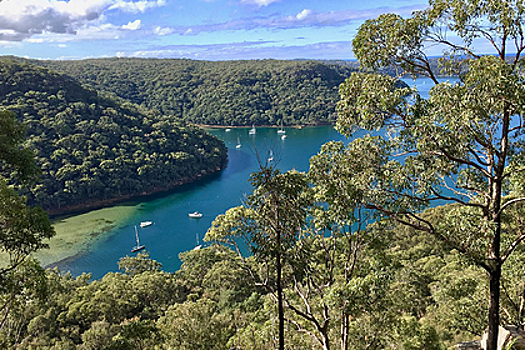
93,149
262,92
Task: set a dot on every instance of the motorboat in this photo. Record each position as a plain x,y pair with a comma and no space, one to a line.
195,215
146,224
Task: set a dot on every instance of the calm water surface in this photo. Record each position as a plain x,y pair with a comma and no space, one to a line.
174,232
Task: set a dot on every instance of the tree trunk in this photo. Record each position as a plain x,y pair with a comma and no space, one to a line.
326,339
280,298
495,277
344,331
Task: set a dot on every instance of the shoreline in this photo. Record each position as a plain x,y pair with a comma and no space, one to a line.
101,204
210,126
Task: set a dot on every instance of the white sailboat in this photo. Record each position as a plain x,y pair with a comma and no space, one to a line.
138,246
238,143
270,156
281,131
252,130
198,246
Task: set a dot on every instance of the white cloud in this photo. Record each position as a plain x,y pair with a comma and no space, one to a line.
163,31
21,20
248,50
259,3
303,14
132,25
138,6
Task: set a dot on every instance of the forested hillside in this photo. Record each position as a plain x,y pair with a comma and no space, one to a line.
92,148
263,92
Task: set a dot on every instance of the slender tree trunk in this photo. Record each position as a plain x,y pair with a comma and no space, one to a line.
280,297
326,339
344,330
494,318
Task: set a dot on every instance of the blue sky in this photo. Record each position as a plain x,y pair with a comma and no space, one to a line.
198,29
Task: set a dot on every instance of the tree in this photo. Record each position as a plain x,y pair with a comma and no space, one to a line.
22,228
463,145
270,224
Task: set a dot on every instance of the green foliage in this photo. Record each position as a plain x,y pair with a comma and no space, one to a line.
461,145
265,92
93,149
140,263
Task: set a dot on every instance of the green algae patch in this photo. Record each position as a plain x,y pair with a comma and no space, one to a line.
79,233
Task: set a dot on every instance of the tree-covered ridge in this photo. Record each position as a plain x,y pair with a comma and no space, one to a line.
263,92
92,148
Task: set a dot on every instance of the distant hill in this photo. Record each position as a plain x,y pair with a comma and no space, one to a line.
93,149
259,92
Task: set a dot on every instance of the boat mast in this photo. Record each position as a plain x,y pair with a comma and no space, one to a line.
137,236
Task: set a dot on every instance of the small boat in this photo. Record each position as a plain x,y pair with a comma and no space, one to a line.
238,143
270,156
281,131
195,215
252,131
283,137
138,246
228,130
146,224
198,246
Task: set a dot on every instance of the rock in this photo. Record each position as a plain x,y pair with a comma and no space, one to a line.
506,335
469,345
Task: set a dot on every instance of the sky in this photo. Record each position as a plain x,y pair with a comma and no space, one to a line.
198,29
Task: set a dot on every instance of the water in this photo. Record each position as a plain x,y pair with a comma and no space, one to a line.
173,231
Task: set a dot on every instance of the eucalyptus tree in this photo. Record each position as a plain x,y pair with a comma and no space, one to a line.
462,145
269,224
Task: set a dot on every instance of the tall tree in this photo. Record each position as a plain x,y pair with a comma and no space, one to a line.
462,145
22,228
270,223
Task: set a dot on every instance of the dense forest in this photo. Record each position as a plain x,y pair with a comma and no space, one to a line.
94,149
404,293
409,238
260,92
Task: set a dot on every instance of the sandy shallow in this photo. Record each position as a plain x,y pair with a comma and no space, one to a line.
75,234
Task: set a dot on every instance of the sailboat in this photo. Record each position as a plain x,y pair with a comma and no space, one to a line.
281,131
238,143
252,130
138,246
198,246
270,157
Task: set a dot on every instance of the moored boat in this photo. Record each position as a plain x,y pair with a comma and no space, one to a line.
138,246
146,224
195,215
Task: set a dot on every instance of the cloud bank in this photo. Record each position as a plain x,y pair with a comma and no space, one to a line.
21,20
247,50
305,18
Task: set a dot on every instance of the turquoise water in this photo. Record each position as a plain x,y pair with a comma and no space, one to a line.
173,231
